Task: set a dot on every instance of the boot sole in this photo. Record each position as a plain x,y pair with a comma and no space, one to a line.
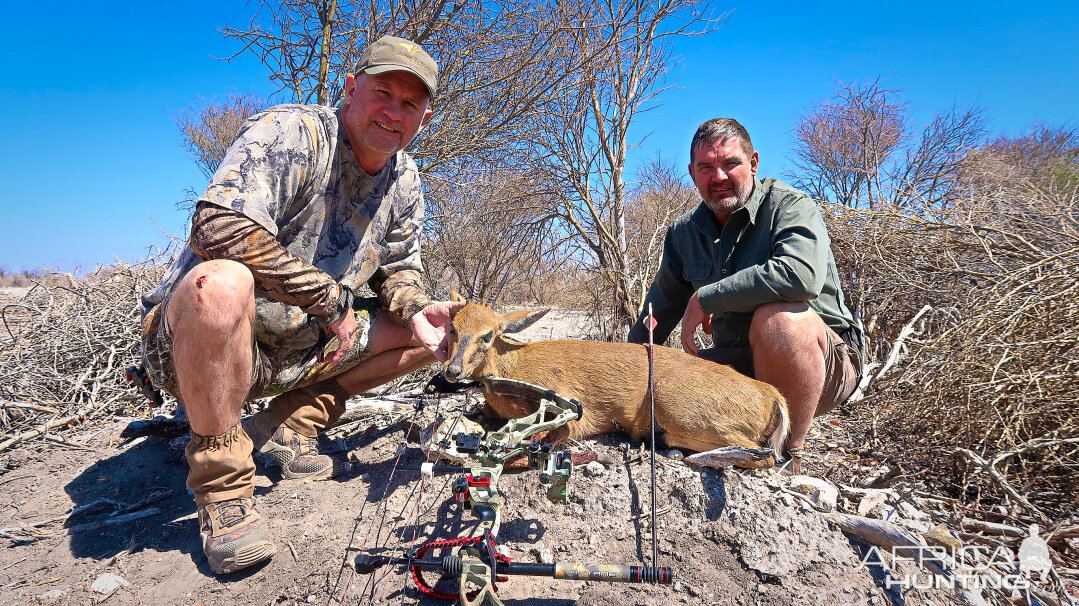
284,456
248,555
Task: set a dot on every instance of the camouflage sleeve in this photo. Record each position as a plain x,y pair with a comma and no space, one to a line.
268,166
402,293
399,279
219,233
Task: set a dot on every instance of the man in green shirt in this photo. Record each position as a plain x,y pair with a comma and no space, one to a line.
752,265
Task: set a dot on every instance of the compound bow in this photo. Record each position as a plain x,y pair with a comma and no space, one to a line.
475,560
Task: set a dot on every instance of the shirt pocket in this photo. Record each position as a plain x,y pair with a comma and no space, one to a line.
697,272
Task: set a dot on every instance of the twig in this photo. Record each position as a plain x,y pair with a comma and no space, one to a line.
68,443
665,509
988,468
893,356
27,406
33,433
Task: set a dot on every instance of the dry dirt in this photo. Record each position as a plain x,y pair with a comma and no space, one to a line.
730,536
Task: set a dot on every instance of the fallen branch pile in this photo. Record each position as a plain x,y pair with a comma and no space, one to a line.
980,306
64,346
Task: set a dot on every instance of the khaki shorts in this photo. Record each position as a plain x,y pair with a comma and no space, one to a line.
842,368
273,371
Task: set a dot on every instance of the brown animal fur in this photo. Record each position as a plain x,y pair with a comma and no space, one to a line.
700,405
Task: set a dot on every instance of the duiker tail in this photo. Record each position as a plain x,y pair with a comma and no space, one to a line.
779,436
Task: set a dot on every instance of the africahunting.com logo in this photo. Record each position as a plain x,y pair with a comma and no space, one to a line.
969,567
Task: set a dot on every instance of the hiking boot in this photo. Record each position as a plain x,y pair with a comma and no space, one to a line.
297,455
234,535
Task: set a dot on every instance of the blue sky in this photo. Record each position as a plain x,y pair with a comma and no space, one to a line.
92,168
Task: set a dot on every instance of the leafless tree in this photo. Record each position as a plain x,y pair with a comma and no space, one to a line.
499,62
859,150
492,233
991,367
662,197
583,140
207,131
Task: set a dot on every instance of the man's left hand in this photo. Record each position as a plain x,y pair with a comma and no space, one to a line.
431,324
693,318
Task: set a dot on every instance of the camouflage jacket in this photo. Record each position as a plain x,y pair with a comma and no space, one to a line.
290,202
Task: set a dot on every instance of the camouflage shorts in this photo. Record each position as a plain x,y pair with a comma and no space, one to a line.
273,371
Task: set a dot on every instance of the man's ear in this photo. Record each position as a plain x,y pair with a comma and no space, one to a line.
754,162
350,88
426,118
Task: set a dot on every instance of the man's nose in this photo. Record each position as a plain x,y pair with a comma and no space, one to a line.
394,109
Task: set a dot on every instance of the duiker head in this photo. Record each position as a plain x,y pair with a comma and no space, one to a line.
474,333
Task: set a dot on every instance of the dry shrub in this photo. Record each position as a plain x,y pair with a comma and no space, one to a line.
65,343
994,367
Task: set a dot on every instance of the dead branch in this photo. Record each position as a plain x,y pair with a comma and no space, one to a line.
988,468
69,346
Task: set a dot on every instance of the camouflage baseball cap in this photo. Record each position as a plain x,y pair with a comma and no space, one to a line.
389,53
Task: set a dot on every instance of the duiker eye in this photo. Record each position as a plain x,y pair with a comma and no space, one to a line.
487,337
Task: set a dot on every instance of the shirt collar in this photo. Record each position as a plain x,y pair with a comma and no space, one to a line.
705,219
754,202
344,147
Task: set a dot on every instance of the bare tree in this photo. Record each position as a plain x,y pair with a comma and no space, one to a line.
584,138
208,130
499,62
298,46
493,232
661,198
860,151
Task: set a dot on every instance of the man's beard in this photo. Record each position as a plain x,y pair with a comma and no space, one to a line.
728,204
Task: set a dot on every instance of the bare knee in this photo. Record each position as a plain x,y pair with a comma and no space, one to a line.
785,327
215,295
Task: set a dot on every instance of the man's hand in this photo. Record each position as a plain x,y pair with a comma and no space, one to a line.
345,329
432,323
693,318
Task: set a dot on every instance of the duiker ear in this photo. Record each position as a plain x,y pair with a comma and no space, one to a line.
455,297
516,321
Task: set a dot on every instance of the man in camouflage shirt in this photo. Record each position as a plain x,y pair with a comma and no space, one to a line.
308,204
753,265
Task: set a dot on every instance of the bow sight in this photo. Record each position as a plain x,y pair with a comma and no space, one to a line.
475,561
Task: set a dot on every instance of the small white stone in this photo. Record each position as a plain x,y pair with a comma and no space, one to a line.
107,583
50,596
311,599
546,556
594,469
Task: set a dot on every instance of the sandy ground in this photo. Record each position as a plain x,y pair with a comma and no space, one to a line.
730,536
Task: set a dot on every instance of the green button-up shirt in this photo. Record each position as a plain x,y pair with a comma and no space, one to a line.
775,248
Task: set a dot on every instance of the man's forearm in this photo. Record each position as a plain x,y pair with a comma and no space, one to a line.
219,233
